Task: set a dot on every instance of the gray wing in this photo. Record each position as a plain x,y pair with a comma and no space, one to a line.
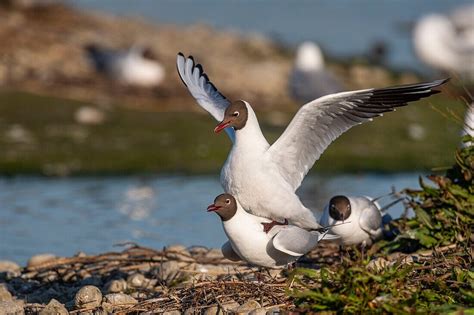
229,252
202,89
370,220
295,241
320,122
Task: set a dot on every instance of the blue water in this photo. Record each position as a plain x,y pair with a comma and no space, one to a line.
91,214
343,27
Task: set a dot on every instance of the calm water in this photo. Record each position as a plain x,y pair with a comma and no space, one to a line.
342,27
65,215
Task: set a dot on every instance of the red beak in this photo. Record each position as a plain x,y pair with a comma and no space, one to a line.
221,126
213,207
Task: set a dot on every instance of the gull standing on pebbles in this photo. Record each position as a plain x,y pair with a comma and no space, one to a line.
136,66
309,78
264,178
284,244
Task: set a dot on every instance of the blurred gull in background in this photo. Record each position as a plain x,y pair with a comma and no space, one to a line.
446,43
135,66
310,79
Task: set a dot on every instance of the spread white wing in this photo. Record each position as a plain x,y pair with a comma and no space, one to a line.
320,122
202,89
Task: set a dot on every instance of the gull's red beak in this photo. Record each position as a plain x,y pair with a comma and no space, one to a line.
221,126
213,207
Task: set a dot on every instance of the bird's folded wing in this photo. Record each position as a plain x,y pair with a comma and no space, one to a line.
229,252
295,241
202,89
320,122
370,220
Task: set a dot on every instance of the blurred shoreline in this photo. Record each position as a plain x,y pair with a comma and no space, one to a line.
96,126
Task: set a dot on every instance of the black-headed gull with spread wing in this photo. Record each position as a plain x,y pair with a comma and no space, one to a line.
284,244
264,178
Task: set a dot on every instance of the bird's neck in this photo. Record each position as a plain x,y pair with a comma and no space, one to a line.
250,135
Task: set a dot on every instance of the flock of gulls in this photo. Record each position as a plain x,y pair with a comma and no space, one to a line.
264,219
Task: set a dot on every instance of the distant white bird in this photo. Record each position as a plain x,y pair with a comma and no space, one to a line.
136,66
309,78
284,244
264,178
357,220
442,43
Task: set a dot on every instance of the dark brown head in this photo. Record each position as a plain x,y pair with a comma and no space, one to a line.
235,116
225,206
148,53
339,208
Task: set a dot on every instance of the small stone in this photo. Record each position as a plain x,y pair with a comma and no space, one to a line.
40,259
120,299
274,311
214,253
173,312
7,265
13,307
54,308
89,116
5,295
198,250
247,307
116,286
168,271
136,280
259,311
88,297
176,248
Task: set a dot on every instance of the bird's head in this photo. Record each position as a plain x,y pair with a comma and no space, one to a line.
235,116
225,206
339,208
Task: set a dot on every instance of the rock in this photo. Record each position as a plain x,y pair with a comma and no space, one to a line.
168,271
89,116
111,301
136,280
13,307
259,311
40,259
120,299
7,265
217,310
214,253
173,312
247,307
54,308
5,295
116,286
274,311
198,250
88,297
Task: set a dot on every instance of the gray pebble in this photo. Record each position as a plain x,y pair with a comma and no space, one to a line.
136,280
7,265
5,295
116,286
88,297
13,307
120,299
54,308
40,259
247,307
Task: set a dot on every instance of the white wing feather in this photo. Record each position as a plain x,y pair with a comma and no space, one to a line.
320,122
202,89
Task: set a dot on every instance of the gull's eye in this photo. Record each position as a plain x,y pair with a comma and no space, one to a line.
227,201
236,114
333,206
